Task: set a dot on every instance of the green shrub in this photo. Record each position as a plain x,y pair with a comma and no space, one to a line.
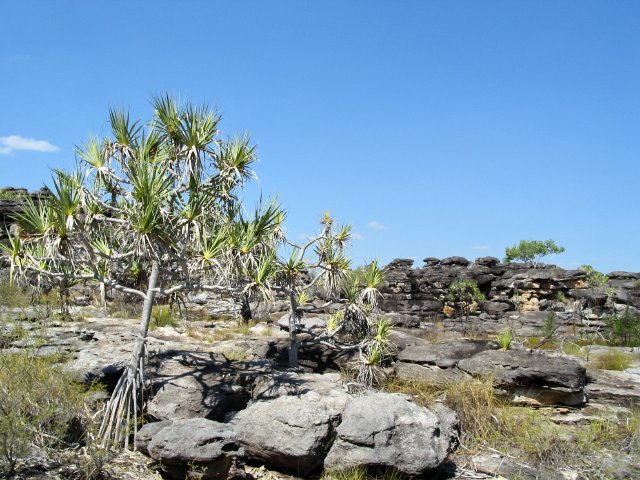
625,329
37,403
549,326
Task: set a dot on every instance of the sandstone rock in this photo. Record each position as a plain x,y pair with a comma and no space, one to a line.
459,261
487,261
147,432
614,387
496,308
309,323
292,432
388,430
280,384
549,380
201,385
431,262
207,447
445,354
429,374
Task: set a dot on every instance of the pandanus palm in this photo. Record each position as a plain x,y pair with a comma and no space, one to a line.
162,197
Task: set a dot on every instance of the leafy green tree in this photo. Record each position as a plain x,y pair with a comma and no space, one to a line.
532,251
466,295
161,196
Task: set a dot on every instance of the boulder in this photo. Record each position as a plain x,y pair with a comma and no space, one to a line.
458,261
195,445
292,432
201,385
496,308
147,432
532,375
385,430
487,261
281,384
445,354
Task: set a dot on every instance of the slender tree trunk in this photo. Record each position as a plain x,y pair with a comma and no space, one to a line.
145,320
293,337
123,407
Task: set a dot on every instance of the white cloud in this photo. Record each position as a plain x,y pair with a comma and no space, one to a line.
356,236
377,225
481,247
17,142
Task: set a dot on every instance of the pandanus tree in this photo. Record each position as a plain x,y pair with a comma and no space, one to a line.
161,197
153,211
357,325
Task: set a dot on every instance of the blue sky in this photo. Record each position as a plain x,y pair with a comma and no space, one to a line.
435,128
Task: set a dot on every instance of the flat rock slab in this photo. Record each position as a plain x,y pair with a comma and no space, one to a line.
194,445
445,354
614,387
549,380
429,374
291,432
390,431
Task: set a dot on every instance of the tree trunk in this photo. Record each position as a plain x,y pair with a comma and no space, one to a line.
245,309
293,338
145,320
122,409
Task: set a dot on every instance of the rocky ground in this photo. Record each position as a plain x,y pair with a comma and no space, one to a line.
223,401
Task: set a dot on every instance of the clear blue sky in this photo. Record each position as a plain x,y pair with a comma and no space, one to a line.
436,128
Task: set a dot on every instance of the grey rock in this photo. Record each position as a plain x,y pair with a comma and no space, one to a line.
389,431
147,432
292,432
445,354
496,308
201,385
546,379
281,384
429,374
309,323
459,261
431,262
487,261
198,444
614,387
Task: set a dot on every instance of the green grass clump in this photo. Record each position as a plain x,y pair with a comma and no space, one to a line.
504,339
612,360
163,316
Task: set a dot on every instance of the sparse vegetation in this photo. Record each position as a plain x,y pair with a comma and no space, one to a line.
489,422
624,328
466,295
37,403
611,360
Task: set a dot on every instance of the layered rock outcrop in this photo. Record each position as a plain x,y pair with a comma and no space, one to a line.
518,297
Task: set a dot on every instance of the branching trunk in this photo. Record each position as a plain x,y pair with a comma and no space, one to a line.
127,399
